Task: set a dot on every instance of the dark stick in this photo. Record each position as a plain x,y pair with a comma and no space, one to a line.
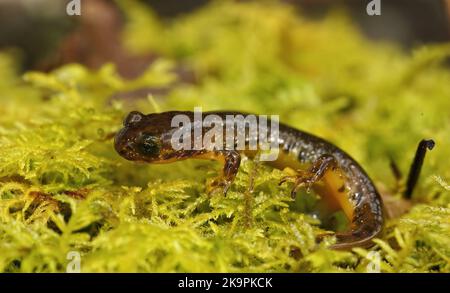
416,166
395,169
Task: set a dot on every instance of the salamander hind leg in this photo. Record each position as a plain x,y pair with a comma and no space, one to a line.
336,190
314,173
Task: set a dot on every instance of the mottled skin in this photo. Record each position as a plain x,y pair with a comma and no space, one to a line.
331,172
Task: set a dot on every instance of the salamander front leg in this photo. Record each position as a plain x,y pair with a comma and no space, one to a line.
314,174
231,161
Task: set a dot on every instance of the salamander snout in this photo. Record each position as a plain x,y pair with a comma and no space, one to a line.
137,145
124,145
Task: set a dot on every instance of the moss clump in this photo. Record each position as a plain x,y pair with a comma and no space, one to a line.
63,188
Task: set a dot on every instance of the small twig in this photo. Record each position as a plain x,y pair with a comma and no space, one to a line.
416,166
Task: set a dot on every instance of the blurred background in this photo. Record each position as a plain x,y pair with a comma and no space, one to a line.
45,37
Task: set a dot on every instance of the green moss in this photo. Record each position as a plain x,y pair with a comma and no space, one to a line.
63,188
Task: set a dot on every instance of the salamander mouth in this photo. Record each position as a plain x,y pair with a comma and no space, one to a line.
124,147
127,151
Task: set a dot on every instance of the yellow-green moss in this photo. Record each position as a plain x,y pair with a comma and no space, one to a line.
63,188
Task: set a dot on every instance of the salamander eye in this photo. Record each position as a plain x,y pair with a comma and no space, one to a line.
132,118
149,144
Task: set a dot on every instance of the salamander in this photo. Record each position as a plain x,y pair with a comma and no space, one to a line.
333,174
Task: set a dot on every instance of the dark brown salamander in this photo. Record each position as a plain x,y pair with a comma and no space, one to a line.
332,173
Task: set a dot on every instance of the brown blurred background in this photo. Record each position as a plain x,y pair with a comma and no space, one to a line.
47,37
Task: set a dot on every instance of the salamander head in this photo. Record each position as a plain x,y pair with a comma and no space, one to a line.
141,138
